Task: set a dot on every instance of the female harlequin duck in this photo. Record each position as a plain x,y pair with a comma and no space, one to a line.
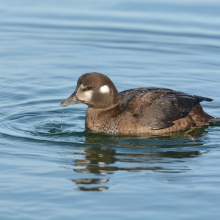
141,110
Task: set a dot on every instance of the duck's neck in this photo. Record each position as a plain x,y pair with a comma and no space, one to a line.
100,119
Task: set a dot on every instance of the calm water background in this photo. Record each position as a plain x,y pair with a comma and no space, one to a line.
50,167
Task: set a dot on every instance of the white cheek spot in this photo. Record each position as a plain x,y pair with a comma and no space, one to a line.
104,89
88,95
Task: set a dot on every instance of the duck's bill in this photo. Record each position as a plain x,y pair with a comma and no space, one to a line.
72,100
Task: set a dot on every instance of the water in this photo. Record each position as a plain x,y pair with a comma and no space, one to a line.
50,167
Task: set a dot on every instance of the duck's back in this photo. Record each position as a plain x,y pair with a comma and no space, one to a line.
159,110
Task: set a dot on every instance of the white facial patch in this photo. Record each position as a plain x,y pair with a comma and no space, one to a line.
87,95
104,89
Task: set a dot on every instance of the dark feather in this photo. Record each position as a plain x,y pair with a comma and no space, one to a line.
158,107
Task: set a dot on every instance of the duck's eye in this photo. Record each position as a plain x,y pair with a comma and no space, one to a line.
88,88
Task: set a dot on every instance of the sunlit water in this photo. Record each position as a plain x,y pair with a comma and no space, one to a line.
51,168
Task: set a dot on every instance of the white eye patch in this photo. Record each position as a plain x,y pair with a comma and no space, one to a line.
104,89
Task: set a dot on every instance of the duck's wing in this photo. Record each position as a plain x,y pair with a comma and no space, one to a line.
158,107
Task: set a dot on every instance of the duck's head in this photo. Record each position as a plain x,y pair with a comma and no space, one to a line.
94,89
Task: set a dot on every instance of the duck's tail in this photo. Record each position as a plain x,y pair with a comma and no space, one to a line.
214,120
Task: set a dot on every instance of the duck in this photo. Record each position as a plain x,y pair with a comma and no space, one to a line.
141,110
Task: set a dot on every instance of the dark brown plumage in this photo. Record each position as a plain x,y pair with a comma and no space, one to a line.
141,110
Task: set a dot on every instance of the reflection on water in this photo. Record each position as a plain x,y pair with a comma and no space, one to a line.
104,156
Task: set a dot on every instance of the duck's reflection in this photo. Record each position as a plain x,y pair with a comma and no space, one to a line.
104,155
91,181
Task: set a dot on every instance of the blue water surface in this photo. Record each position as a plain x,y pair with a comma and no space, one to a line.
51,168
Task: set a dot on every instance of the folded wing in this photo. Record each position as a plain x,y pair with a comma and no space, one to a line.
158,108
